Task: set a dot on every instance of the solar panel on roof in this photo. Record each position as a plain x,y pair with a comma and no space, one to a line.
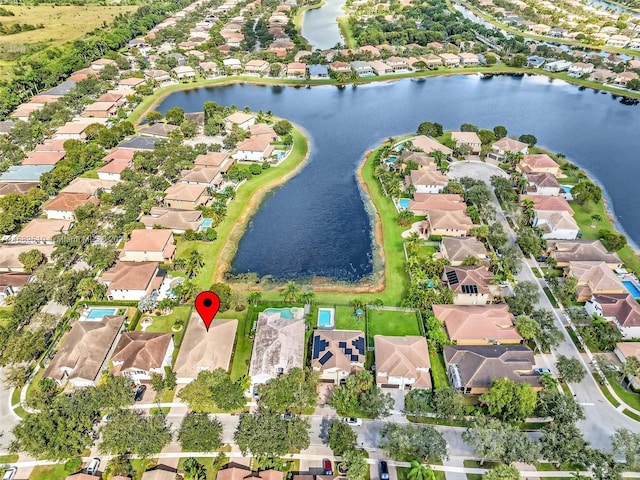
325,358
472,289
348,351
354,358
358,344
452,277
342,344
316,346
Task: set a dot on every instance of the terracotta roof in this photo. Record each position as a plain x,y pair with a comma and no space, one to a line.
553,221
119,154
43,158
595,277
185,192
99,107
458,249
510,145
426,177
14,279
543,179
51,145
201,175
428,145
85,349
406,356
72,128
130,275
621,306
140,350
173,218
479,365
548,203
565,251
16,187
233,471
259,143
42,229
466,137
341,349
115,166
148,240
453,220
468,280
538,160
89,185
68,202
490,323
436,201
629,349
239,117
202,350
263,129
212,159
9,255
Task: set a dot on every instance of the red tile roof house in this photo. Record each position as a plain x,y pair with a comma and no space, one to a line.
402,362
451,223
178,221
500,148
240,119
554,216
12,283
539,163
619,308
100,110
62,207
154,245
113,170
543,184
138,355
423,202
594,278
132,280
209,177
426,181
185,196
470,285
43,158
255,149
457,250
41,231
72,130
468,138
478,324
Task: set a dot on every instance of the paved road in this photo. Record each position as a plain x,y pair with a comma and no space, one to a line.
8,419
602,418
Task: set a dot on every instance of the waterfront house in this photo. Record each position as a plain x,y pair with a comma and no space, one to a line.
139,355
470,285
447,223
380,68
468,59
625,77
209,177
594,278
139,143
184,72
565,252
162,77
556,225
63,205
619,308
402,362
428,145
457,250
423,202
557,66
362,69
426,181
336,354
132,280
158,130
468,138
296,70
340,67
233,65
256,67
185,196
602,75
539,163
254,149
450,60
472,369
219,160
85,351
209,70
619,41
478,324
431,60
99,110
240,120
154,245
579,69
178,221
398,64
318,72
543,184
500,148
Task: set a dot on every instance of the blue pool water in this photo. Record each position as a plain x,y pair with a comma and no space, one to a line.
391,159
325,317
284,312
99,313
633,290
566,188
206,223
403,203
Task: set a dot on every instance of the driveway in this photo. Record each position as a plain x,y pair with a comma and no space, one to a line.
475,169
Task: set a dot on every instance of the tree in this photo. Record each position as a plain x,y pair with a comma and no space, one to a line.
174,116
612,241
525,296
563,443
530,241
570,369
267,434
118,466
157,382
431,129
468,127
357,467
170,378
199,433
361,393
32,259
194,470
224,294
211,389
129,431
528,139
342,438
510,401
194,263
420,471
404,218
293,391
485,436
409,442
290,292
500,131
503,472
562,408
283,127
627,444
154,117
447,403
586,191
497,236
527,327
254,298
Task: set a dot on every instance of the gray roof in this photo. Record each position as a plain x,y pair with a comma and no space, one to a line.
140,143
62,89
318,70
25,173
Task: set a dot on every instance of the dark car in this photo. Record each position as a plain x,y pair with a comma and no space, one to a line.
327,467
542,258
384,470
140,393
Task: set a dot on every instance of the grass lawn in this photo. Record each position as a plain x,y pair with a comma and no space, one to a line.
49,472
346,320
208,464
425,252
630,398
33,386
438,370
388,322
163,324
140,466
9,458
166,396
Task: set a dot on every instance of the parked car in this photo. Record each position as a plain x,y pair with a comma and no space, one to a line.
354,422
10,473
541,258
327,467
383,469
541,370
92,468
140,393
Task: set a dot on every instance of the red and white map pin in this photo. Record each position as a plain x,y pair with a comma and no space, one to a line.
207,306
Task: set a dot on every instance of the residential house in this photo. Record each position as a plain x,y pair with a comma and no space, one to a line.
220,160
557,225
209,70
432,61
162,77
468,59
557,66
470,285
402,362
296,70
468,138
426,181
184,73
234,65
380,68
457,250
278,346
447,223
139,143
130,83
12,283
85,351
72,131
256,67
9,256
112,171
263,129
579,69
620,308
240,120
429,145
209,177
159,130
236,471
89,186
185,196
602,75
450,60
20,188
620,41
318,72
179,221
543,184
254,149
478,324
625,350
594,278
472,369
24,173
132,280
205,350
336,354
623,78
63,206
139,355
362,69
423,202
565,252
41,231
399,64
539,163
43,158
154,245
505,145
100,110
340,67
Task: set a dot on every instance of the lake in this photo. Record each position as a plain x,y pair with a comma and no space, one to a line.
316,224
320,27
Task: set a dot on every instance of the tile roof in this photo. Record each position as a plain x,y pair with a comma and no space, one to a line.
490,323
341,349
68,202
140,350
406,356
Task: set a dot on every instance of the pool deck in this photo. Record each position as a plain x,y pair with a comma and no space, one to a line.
332,318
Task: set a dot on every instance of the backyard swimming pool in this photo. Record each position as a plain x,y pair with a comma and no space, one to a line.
632,287
403,203
326,318
97,314
284,312
206,223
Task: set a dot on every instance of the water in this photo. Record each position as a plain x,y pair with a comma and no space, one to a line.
320,27
316,224
632,288
98,314
403,203
326,317
611,6
285,313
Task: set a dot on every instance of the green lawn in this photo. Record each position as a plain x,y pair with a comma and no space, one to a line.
346,320
630,398
438,370
208,464
9,458
425,252
49,472
164,323
388,322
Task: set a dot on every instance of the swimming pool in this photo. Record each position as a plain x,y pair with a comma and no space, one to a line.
285,313
391,159
566,188
326,317
632,287
206,223
403,203
97,314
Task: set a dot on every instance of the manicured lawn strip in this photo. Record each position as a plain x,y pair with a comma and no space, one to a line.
49,472
630,398
15,396
550,296
388,322
219,253
164,323
438,370
607,394
403,472
347,32
140,466
9,458
426,252
583,215
33,386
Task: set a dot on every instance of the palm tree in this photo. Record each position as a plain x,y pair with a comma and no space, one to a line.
194,263
528,211
165,305
307,297
413,242
254,297
290,292
179,264
439,158
356,303
420,471
595,219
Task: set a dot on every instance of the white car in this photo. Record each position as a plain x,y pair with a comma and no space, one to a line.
92,468
354,422
10,473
